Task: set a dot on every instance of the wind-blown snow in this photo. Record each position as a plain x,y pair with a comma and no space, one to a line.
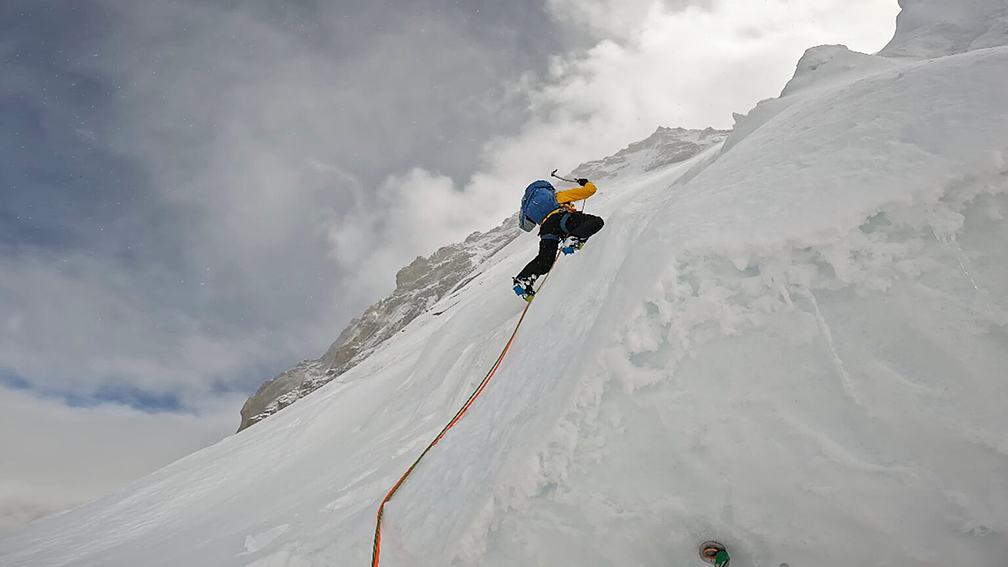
797,346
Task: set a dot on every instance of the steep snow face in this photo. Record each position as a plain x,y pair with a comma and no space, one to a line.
795,345
933,28
814,371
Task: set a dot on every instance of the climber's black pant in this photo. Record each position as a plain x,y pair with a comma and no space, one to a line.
555,229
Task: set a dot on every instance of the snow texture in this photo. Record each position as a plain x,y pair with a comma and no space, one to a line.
795,343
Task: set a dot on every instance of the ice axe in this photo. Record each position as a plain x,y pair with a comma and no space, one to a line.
562,178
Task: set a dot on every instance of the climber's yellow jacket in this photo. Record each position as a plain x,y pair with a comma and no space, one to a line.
566,198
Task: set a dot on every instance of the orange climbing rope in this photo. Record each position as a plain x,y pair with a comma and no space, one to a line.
458,416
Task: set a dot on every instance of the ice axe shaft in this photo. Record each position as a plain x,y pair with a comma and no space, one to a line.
562,178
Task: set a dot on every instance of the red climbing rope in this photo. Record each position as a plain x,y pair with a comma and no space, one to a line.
458,416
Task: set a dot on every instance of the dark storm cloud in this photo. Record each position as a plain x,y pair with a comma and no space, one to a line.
55,180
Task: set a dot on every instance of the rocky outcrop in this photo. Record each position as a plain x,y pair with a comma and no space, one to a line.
418,286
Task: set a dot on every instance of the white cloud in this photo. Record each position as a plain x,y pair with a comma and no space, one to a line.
603,16
614,18
414,214
56,457
693,67
76,323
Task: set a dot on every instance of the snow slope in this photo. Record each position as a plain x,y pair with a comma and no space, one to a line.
932,28
796,345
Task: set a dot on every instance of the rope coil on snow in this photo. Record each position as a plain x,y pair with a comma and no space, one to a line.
472,397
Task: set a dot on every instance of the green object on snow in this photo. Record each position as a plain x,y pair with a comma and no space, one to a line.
714,552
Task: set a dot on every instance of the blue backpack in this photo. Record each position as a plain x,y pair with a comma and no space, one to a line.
539,201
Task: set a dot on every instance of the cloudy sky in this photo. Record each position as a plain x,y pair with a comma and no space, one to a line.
198,194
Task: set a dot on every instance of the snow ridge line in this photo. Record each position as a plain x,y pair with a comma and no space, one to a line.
376,550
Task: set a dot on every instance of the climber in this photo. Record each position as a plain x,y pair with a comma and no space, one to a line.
558,220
